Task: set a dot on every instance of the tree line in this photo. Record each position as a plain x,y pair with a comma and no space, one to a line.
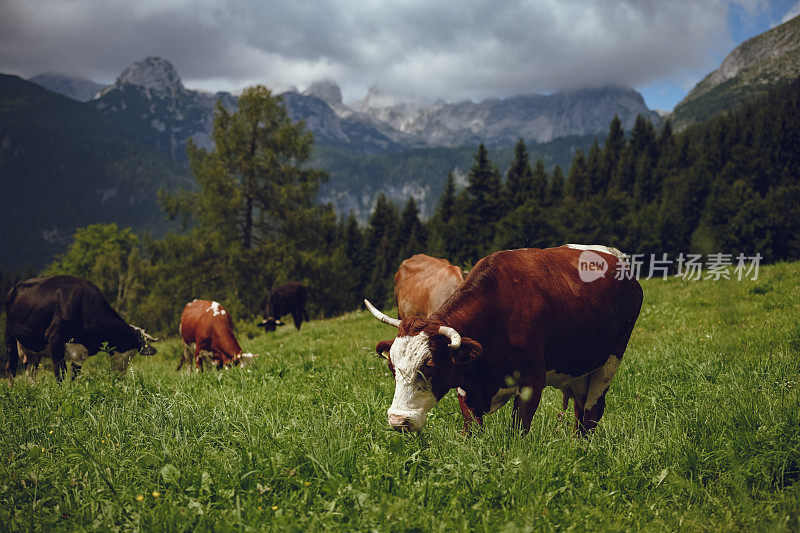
728,185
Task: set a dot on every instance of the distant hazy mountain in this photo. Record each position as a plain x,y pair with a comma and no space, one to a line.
499,122
79,89
750,70
63,165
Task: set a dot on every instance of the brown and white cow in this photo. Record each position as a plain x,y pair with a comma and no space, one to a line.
207,331
522,320
423,283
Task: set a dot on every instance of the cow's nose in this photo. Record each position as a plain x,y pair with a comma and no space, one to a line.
399,423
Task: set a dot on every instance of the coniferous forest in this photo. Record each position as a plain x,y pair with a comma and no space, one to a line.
729,185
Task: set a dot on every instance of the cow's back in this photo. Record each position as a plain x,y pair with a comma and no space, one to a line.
423,283
198,319
285,299
536,298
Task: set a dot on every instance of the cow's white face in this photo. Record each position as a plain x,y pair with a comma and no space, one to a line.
411,360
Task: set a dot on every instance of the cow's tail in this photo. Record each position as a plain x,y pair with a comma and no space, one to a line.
10,357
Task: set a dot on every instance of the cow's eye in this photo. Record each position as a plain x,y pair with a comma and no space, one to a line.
429,363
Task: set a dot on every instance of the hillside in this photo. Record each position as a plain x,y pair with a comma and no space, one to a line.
63,165
766,61
699,434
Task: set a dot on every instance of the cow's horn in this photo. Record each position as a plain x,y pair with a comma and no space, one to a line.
146,335
380,316
455,338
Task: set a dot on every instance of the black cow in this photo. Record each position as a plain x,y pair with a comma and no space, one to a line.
43,314
284,300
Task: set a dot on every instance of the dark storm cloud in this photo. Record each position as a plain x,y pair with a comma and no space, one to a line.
466,49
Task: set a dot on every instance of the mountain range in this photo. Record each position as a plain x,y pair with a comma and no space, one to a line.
151,92
95,153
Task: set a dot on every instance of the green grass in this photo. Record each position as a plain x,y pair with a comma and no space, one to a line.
701,432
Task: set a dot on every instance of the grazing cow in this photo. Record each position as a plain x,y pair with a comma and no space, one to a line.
522,320
423,283
44,315
207,331
284,300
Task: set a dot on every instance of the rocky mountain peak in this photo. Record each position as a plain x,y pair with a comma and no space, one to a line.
377,99
327,91
153,73
750,70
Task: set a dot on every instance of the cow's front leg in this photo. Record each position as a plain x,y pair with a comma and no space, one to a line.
76,370
56,343
525,404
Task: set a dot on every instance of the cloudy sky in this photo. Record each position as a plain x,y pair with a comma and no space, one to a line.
419,49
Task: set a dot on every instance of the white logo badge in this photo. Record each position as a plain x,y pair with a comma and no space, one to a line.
591,266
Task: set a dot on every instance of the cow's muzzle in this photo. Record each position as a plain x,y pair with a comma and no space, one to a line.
148,350
400,423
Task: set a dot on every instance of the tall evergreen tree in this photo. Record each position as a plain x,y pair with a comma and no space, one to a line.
381,251
412,237
539,183
519,178
615,143
577,185
485,205
643,139
624,175
444,209
255,178
595,171
555,193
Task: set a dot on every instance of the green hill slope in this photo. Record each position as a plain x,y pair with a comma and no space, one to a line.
699,434
62,166
750,70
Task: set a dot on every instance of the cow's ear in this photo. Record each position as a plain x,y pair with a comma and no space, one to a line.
467,352
383,347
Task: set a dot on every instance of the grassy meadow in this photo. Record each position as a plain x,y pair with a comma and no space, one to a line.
701,432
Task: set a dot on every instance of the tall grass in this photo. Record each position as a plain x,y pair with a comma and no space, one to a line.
701,431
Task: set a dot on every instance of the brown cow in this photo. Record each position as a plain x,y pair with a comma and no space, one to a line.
423,283
207,331
522,320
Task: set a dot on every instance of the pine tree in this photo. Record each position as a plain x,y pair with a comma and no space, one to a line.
624,176
577,185
555,193
254,180
381,251
615,143
539,183
411,235
444,210
595,175
519,178
485,206
643,139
